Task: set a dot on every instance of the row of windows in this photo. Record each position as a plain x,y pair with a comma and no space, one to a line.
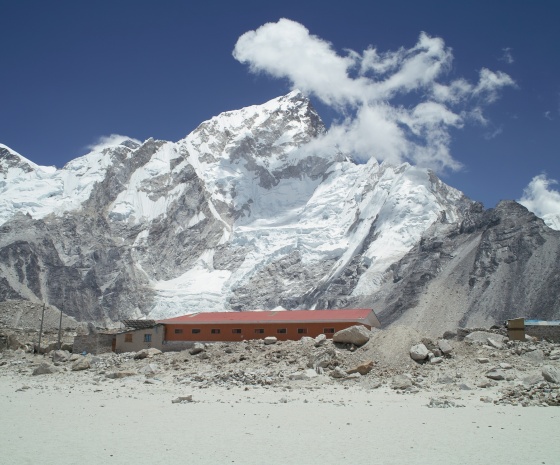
147,338
257,331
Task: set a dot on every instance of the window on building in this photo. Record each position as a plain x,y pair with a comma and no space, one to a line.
302,330
147,338
178,331
215,331
281,330
195,331
128,338
328,330
236,330
259,331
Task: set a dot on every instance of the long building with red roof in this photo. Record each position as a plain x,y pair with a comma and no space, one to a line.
284,324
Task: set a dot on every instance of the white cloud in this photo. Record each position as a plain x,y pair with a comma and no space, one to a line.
104,142
544,201
363,85
507,56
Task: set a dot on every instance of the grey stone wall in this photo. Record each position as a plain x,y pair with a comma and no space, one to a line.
99,343
550,333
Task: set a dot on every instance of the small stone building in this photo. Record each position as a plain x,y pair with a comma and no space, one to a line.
135,339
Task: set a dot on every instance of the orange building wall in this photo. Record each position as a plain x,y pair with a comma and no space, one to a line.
248,331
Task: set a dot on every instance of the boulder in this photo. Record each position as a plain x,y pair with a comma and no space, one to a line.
419,352
496,375
147,353
445,346
357,335
532,379
303,375
82,363
535,356
59,356
401,382
362,368
120,374
449,335
149,369
551,374
269,340
495,344
320,340
197,348
45,369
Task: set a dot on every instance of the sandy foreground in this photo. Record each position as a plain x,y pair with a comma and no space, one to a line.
58,419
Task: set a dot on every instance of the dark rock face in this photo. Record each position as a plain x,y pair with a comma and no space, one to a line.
494,265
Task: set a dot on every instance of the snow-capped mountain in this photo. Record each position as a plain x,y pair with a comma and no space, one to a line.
238,215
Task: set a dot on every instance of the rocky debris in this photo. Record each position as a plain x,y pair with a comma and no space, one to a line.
82,363
385,360
356,335
197,348
401,382
147,353
269,340
362,368
542,394
419,352
551,374
483,360
483,337
45,369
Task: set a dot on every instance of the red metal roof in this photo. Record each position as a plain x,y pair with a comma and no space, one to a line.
273,316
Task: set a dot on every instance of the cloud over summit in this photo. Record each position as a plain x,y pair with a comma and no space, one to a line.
365,85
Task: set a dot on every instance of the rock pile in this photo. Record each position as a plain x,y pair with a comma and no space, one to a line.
505,372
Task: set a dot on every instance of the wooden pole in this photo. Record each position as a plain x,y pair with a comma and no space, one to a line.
60,326
41,329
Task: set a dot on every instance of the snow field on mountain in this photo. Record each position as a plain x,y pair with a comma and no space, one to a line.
138,202
46,190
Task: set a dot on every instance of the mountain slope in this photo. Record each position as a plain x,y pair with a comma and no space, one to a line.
238,215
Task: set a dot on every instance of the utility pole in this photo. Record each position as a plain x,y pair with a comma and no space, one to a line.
41,328
60,325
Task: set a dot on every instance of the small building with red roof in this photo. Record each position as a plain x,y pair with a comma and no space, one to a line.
284,324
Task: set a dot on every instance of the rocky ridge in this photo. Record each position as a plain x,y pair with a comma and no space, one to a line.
242,214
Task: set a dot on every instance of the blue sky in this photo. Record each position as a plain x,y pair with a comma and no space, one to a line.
75,71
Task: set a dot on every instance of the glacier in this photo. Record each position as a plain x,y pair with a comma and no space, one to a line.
244,213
